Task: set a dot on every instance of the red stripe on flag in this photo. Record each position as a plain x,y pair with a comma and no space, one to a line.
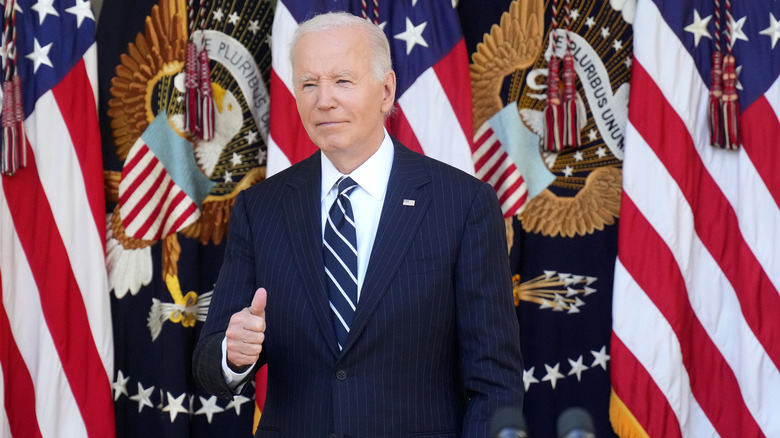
18,385
399,127
715,221
76,102
652,265
153,215
182,197
142,203
286,126
61,299
141,176
640,394
760,137
455,78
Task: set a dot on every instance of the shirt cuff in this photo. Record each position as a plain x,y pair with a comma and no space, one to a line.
233,379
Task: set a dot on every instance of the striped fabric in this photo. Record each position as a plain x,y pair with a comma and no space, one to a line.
341,261
695,349
56,344
494,166
162,188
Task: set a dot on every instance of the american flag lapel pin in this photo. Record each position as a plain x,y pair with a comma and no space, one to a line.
408,202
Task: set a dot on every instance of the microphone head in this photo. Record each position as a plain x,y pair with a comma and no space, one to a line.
506,419
575,423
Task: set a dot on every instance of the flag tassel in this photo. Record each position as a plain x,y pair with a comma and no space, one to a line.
730,104
191,90
571,130
11,150
206,98
553,113
713,108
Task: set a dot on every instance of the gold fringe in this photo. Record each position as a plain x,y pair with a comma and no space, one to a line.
170,256
623,421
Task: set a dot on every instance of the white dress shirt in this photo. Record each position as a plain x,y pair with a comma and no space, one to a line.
367,199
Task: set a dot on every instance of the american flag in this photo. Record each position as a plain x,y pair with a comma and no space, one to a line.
57,351
696,332
433,114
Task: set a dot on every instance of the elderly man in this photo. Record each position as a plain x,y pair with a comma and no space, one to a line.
372,280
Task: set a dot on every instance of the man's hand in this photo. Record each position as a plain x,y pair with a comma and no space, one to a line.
245,334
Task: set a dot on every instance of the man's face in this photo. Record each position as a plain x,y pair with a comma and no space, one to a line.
341,104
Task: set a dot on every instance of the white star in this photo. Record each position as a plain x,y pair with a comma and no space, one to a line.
738,70
218,15
578,156
773,31
699,27
233,18
82,10
601,357
604,32
260,157
236,160
228,176
43,8
577,367
568,171
590,22
736,31
617,45
254,27
236,403
553,374
454,4
412,35
120,385
593,135
209,407
251,137
528,378
601,152
382,25
40,55
175,405
143,397
574,14
628,62
414,3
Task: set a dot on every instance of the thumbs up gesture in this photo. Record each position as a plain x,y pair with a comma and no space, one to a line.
246,333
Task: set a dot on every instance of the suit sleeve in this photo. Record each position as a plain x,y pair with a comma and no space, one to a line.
488,329
234,290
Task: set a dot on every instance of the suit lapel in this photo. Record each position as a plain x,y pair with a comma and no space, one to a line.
397,225
303,221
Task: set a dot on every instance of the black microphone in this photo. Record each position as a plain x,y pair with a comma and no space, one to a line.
508,422
575,423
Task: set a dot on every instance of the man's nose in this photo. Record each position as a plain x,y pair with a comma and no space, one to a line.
326,98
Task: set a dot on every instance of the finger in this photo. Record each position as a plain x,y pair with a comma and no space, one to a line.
258,303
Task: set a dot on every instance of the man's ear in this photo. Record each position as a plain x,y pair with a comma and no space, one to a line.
388,92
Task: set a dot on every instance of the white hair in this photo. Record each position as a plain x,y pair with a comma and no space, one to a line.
381,62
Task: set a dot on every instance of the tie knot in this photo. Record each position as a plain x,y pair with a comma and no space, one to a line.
346,185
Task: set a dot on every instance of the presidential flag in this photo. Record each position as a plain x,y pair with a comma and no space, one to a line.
695,348
169,196
57,354
433,95
561,207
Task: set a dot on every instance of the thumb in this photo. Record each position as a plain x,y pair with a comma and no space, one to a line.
258,302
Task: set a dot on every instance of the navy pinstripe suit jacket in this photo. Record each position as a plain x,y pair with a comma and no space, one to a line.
434,347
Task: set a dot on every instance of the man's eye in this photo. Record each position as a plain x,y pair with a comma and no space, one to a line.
343,81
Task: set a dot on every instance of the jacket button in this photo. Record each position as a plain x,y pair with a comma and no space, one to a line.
341,375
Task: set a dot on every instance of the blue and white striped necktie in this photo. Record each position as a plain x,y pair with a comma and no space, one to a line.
340,255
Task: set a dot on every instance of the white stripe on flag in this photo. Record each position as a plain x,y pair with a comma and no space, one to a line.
55,406
430,114
67,196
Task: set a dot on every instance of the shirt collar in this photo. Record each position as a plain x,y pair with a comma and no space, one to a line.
372,175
